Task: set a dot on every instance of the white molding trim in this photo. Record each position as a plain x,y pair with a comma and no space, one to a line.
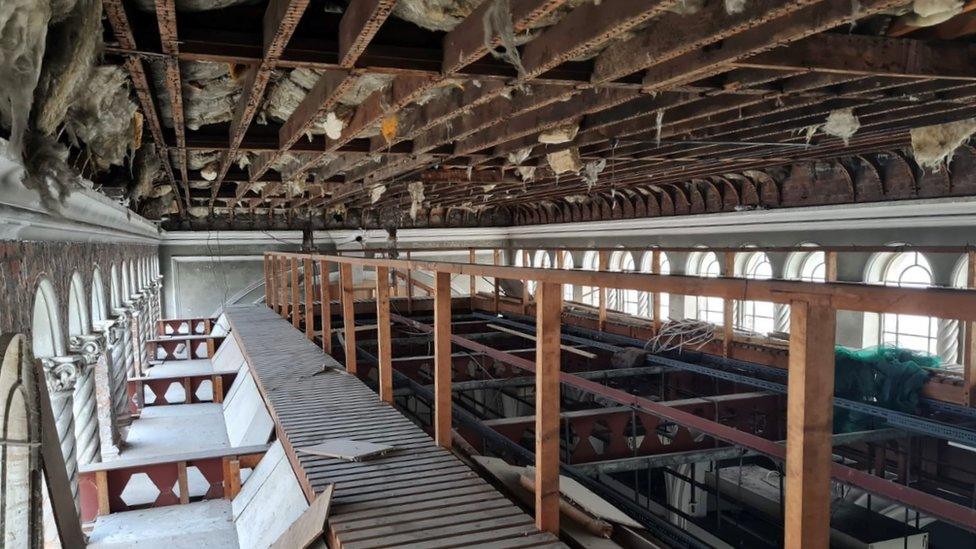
85,216
942,212
344,239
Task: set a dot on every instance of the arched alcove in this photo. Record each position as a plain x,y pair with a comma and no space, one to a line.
19,489
78,320
47,339
99,306
115,288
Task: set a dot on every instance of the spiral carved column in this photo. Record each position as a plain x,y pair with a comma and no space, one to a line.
90,402
125,363
61,374
948,342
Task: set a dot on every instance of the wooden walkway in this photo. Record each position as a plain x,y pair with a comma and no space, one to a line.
419,496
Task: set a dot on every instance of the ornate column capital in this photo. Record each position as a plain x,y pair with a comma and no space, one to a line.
113,330
61,372
122,313
89,346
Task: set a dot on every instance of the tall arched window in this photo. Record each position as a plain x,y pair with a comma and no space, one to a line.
806,266
619,299
566,263
664,310
921,333
541,260
757,316
590,294
709,309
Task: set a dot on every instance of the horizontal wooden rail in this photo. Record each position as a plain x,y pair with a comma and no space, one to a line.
947,303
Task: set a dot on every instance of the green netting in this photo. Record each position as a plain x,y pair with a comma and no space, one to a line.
886,376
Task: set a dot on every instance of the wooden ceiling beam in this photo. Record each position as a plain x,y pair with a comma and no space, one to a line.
468,42
166,17
587,27
799,24
673,34
119,21
281,17
855,55
360,22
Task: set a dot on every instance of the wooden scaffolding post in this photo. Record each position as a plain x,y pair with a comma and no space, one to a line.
271,295
526,295
442,359
267,281
830,266
496,259
809,423
309,298
655,297
602,259
283,289
409,287
728,307
325,308
547,349
348,316
383,344
294,292
472,290
969,339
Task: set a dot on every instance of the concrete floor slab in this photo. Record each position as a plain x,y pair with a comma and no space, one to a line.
203,524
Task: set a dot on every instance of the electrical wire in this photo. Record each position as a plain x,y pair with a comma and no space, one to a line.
676,335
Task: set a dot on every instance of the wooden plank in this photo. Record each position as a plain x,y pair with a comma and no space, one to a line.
294,293
322,98
233,481
655,296
183,483
309,526
809,424
360,22
602,259
325,300
442,359
217,382
271,268
728,306
526,296
101,486
283,310
496,260
348,317
472,284
384,350
830,266
409,286
530,337
309,284
548,314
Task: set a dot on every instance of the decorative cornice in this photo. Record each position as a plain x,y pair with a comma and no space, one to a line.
61,372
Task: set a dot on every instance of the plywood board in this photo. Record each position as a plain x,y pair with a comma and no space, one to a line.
348,449
309,525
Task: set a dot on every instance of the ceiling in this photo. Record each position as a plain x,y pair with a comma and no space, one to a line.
376,113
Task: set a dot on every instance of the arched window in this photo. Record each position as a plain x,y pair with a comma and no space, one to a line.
19,493
541,260
709,309
78,320
99,308
47,339
590,294
115,288
921,333
519,258
618,299
757,316
566,263
664,310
